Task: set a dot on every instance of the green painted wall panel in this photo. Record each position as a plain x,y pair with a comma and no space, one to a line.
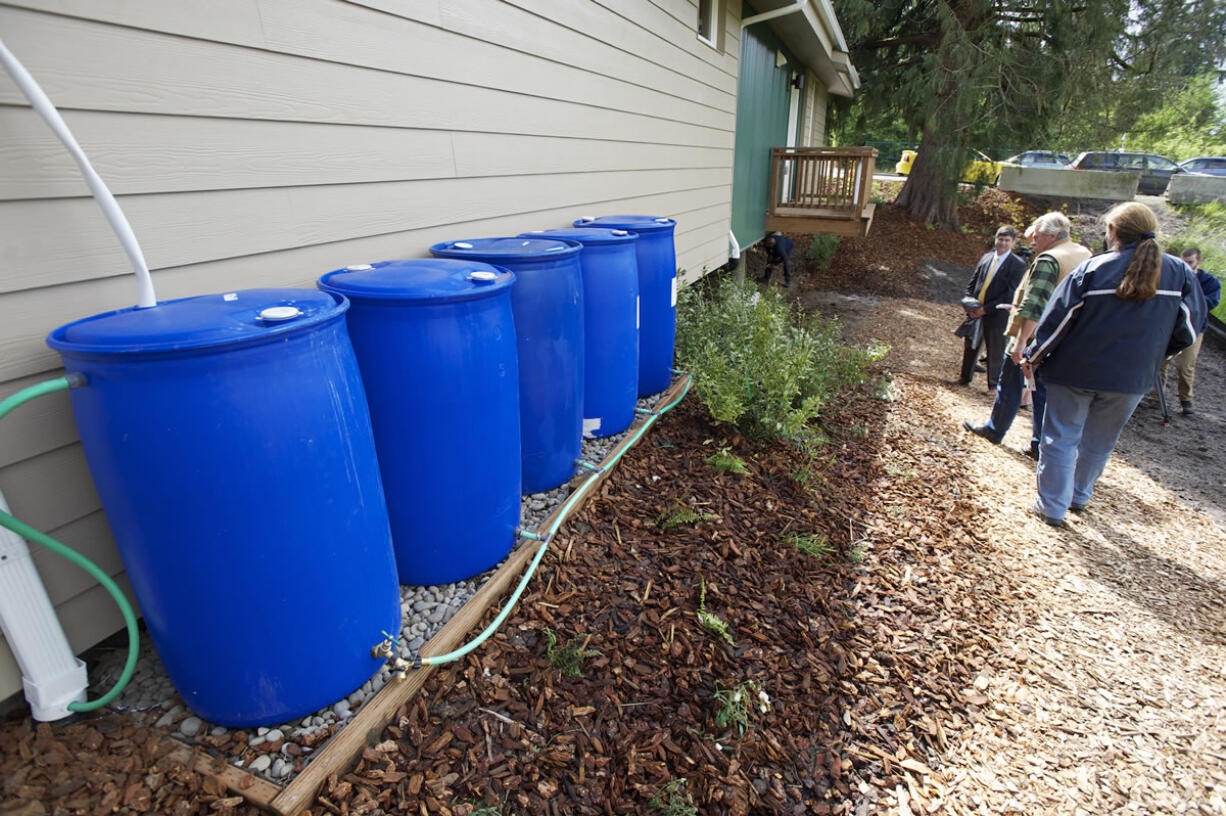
763,93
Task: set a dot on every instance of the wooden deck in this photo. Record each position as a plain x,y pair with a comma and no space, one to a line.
821,190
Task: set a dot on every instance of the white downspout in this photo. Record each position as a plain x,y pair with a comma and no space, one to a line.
145,296
51,674
734,248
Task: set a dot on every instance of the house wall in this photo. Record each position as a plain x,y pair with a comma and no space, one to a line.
761,124
813,128
264,142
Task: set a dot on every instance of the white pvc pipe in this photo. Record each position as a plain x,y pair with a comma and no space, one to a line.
51,674
734,248
110,208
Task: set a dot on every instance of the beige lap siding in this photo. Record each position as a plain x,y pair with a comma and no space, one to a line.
263,143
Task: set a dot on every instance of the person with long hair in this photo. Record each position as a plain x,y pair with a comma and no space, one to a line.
1098,346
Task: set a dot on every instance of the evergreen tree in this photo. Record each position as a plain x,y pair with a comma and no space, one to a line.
963,73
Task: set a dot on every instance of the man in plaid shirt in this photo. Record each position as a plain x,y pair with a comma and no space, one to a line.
1055,256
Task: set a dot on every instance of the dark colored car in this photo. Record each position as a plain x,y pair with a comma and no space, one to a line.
1155,170
1040,158
1210,165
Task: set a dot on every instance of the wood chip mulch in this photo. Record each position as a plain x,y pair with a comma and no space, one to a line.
870,672
110,763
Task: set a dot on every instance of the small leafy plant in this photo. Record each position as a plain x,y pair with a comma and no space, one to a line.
710,621
884,388
487,810
856,554
815,545
821,250
681,515
724,461
570,657
674,799
736,704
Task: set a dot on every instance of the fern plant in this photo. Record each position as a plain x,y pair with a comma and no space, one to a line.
710,621
570,657
724,461
681,515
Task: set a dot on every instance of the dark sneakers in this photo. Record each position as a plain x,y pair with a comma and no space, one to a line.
1077,508
981,430
1186,407
1048,520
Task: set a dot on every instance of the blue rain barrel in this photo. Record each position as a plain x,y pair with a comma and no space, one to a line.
547,301
657,294
436,344
229,440
610,326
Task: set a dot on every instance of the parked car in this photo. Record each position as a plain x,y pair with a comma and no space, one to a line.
981,170
1040,158
1155,170
1210,165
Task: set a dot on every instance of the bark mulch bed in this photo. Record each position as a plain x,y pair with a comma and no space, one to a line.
870,655
869,671
109,763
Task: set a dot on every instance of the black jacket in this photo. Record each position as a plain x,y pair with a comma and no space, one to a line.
1004,282
781,252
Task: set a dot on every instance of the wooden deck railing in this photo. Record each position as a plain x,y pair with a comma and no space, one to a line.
821,182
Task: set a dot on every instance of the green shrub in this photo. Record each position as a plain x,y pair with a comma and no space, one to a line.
821,250
759,363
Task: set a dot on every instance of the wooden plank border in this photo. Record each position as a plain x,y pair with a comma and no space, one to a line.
341,751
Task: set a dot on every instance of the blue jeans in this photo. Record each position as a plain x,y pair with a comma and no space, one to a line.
1009,399
1080,429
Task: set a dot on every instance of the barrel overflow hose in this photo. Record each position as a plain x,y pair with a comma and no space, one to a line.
30,534
567,507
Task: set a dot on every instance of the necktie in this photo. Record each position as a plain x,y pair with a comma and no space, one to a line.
991,273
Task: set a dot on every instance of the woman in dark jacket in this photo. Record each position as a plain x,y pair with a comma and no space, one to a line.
1098,346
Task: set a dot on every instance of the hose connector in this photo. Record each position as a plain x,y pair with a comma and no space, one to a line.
382,650
76,379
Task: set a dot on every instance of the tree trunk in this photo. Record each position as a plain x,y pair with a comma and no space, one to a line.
928,192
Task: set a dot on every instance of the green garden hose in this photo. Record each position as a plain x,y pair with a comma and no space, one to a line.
567,507
30,534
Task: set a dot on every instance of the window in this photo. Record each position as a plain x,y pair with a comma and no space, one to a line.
1131,161
1160,163
708,22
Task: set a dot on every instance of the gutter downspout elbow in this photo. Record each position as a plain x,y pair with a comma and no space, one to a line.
734,248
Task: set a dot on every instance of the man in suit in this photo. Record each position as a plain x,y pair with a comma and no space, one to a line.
992,285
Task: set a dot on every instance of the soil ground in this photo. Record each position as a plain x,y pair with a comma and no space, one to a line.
935,650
